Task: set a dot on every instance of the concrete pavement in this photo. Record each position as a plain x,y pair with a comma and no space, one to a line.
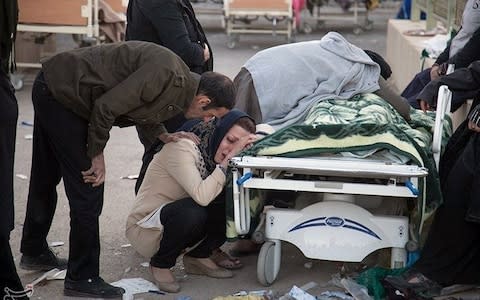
123,158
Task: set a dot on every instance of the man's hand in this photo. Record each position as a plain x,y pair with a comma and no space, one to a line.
174,137
435,72
425,106
96,174
206,53
244,143
473,126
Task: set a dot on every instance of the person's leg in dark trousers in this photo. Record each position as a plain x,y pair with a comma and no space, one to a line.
215,228
184,223
452,251
60,150
8,126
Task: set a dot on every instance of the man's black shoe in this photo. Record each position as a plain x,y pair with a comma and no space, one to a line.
43,262
93,288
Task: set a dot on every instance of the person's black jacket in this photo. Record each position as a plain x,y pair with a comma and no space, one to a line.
464,79
172,24
466,55
8,30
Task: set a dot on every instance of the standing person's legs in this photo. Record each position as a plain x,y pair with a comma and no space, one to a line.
8,126
42,196
67,138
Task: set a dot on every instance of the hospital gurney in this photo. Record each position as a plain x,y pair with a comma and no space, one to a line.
336,229
322,12
242,16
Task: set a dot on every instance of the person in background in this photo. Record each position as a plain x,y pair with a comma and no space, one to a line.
461,51
8,127
78,96
451,254
172,24
180,195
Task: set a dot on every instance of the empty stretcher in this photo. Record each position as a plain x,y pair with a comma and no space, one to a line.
258,17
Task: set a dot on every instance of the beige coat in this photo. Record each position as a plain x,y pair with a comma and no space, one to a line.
172,175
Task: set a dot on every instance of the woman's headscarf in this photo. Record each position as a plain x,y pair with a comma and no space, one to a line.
211,134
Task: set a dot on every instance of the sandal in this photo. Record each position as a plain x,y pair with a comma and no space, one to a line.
224,260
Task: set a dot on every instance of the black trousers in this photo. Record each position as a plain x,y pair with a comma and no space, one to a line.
60,151
8,127
451,253
185,224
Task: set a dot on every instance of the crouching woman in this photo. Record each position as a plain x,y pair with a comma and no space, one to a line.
177,205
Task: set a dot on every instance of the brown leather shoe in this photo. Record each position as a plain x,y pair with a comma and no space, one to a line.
170,287
194,266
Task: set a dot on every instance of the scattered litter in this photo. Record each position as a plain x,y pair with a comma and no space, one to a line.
145,264
297,293
340,295
28,136
181,297
21,176
308,265
59,275
255,47
26,123
127,270
244,295
52,274
131,177
134,286
117,253
126,245
359,292
56,244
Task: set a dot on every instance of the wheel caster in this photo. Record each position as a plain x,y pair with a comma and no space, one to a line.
17,82
306,28
357,30
268,263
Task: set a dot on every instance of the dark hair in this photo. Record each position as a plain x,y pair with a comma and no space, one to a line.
246,123
218,88
385,70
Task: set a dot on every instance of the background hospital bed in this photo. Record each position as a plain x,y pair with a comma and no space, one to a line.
322,11
258,17
335,229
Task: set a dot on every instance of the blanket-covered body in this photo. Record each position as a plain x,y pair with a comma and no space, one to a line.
362,126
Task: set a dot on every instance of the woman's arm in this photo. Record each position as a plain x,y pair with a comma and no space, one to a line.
181,159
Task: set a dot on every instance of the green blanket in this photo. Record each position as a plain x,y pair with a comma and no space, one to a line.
363,124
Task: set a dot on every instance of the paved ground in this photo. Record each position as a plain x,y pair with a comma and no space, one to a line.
123,155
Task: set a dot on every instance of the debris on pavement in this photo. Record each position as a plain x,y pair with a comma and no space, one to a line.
56,244
21,176
134,286
131,177
126,245
28,136
49,275
145,264
27,123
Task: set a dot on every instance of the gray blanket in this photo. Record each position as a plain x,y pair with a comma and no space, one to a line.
290,79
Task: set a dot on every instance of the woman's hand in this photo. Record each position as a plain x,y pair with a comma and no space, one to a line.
96,174
473,126
424,106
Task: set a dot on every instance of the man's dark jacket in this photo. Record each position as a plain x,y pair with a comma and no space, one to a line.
122,84
170,23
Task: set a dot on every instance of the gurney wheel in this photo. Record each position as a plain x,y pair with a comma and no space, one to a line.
307,28
232,41
357,30
368,25
266,272
16,81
